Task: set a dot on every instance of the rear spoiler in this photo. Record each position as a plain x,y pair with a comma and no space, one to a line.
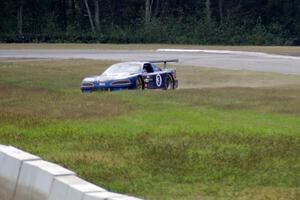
164,61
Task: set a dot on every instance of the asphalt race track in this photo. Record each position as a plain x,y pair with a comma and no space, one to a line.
218,59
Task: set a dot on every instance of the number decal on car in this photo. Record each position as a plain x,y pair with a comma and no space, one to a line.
158,80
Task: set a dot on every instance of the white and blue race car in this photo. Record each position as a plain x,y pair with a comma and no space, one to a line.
133,75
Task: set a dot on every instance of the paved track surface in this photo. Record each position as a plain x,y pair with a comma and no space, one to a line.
218,59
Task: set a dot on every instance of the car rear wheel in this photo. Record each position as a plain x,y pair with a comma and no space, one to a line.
169,83
139,84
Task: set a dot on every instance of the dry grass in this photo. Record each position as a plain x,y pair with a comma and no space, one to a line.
57,82
60,105
201,77
275,100
283,50
45,82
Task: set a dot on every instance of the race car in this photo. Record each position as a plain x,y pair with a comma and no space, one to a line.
133,75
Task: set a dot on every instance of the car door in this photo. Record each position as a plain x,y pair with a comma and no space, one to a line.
149,76
153,76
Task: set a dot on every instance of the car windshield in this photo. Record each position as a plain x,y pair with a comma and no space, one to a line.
123,68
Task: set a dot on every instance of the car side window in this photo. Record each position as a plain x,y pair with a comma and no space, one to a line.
155,68
147,68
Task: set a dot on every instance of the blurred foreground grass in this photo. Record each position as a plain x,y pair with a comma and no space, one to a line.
212,139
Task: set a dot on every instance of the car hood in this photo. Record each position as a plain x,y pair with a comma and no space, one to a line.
109,77
90,79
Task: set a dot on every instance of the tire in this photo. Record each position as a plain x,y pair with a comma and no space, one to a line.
169,83
139,84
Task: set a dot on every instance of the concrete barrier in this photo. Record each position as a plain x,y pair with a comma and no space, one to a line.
71,188
24,176
36,179
11,161
107,196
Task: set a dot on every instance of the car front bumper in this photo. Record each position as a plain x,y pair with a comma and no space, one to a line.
104,88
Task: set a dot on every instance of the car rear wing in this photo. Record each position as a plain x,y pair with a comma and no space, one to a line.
164,61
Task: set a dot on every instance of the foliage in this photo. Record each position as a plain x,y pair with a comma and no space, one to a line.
264,22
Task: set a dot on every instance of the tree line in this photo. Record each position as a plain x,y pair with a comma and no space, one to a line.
266,22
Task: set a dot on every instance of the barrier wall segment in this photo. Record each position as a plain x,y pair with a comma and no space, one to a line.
11,161
24,176
36,179
71,188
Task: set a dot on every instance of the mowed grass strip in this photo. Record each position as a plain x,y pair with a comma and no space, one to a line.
210,143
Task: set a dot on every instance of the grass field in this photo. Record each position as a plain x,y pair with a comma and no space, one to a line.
223,135
283,50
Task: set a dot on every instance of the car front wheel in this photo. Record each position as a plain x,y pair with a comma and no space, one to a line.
139,84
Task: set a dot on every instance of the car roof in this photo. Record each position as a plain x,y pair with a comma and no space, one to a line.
133,62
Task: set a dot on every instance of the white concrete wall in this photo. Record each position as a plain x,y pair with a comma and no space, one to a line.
11,161
36,179
107,196
24,176
71,188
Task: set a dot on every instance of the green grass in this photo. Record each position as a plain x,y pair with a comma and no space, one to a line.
209,143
